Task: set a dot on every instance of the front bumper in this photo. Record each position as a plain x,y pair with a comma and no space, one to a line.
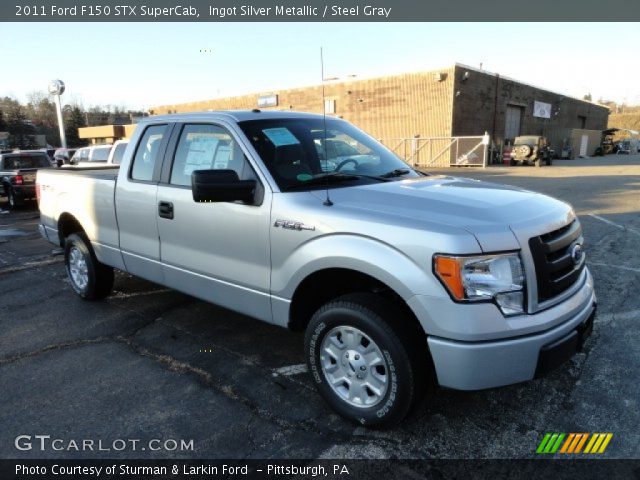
478,365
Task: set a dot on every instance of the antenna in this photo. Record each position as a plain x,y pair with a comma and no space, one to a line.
327,202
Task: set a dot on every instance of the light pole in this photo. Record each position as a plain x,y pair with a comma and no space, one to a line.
56,88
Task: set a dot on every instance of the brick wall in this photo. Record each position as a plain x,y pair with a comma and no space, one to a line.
481,94
390,107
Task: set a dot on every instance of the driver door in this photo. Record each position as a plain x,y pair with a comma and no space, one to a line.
219,251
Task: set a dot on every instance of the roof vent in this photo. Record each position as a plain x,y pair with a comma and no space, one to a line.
256,110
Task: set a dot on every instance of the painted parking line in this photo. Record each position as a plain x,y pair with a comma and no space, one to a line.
613,224
290,370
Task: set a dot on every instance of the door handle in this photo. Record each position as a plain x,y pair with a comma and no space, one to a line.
165,210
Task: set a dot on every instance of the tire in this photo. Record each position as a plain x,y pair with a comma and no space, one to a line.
387,383
12,199
549,161
512,162
90,279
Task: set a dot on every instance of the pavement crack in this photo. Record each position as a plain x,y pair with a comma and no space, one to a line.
228,391
56,346
31,265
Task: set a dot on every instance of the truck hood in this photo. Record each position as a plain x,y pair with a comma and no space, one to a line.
490,212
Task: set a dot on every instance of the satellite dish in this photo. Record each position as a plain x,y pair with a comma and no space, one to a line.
56,87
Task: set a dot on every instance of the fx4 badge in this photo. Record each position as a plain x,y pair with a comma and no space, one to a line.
292,225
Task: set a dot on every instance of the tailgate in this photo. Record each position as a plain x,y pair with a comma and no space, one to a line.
28,175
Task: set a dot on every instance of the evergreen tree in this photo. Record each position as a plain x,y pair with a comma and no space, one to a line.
74,118
20,130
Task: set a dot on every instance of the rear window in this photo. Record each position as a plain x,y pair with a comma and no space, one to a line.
118,153
17,162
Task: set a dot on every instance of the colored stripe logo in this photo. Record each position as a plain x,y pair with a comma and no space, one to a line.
574,443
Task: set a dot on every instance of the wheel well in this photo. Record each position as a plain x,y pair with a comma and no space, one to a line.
68,224
324,285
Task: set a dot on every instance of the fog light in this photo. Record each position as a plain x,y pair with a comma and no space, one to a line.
511,303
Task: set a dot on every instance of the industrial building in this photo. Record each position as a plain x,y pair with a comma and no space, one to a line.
450,102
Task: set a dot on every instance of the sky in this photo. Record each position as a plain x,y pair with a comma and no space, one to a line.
141,65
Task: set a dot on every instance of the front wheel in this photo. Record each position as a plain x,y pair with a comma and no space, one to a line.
366,359
90,279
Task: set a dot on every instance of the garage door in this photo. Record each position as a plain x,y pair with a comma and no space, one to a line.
512,126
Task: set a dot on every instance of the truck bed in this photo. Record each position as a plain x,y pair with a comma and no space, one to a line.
105,173
88,195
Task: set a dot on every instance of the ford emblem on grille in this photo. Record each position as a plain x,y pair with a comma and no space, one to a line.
576,253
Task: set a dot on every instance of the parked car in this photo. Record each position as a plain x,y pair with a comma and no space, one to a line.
18,174
397,278
62,156
117,152
531,150
628,146
91,156
50,152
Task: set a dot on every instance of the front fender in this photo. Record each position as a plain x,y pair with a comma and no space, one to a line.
363,254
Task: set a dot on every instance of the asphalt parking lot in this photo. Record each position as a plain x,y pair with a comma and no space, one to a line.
151,363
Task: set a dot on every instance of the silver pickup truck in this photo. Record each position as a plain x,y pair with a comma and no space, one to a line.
397,278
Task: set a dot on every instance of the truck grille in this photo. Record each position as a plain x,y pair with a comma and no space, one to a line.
554,254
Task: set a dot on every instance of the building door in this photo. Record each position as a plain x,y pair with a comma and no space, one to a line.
584,142
513,121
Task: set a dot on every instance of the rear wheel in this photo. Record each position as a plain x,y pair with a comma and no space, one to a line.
90,279
366,359
12,199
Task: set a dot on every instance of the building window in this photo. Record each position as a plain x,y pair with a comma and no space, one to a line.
330,106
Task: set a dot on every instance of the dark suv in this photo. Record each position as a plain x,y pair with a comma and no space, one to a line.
530,150
18,174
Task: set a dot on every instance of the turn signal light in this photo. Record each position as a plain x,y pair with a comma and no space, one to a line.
448,269
18,180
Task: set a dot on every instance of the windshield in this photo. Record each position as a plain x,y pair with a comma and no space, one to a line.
526,141
100,154
15,162
297,151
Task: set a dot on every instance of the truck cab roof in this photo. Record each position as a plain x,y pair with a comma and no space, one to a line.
233,115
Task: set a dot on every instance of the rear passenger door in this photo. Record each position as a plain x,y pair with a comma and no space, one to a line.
215,251
137,206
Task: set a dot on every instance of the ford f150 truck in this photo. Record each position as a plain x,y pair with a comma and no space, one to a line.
397,278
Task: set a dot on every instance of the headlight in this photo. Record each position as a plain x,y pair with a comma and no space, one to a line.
487,277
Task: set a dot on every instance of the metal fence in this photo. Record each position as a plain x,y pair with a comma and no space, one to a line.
436,152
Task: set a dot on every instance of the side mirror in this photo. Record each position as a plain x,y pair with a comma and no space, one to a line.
221,186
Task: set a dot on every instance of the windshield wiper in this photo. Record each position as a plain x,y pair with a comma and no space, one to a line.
398,172
326,178
322,179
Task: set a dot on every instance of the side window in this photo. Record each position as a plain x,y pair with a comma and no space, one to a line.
205,147
147,153
84,154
